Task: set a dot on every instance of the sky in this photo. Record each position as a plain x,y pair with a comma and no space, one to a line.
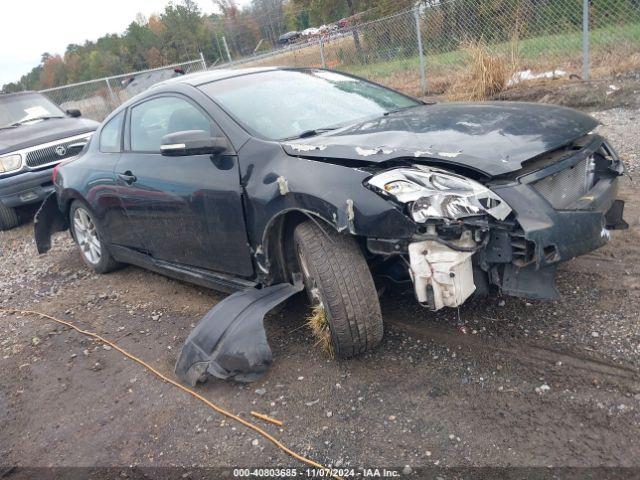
32,27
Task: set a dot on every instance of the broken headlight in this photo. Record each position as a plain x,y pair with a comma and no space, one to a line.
431,193
10,163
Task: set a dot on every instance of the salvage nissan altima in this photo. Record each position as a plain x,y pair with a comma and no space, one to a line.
256,178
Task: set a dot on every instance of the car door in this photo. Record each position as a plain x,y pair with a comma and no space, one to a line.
103,191
185,210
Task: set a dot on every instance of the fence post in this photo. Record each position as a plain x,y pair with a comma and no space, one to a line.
226,47
114,101
585,39
423,73
324,63
204,63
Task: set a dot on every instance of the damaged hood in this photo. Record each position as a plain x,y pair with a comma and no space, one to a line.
493,138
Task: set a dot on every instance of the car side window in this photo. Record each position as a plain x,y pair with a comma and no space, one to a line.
110,134
153,119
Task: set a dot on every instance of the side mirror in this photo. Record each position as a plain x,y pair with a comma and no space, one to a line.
74,112
192,142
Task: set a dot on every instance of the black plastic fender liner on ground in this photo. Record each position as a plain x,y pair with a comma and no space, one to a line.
230,340
48,220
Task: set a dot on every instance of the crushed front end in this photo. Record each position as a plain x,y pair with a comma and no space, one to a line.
565,205
509,232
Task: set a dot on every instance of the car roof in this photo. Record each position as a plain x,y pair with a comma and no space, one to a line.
191,79
200,78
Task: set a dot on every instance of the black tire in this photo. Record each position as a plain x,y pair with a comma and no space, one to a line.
106,262
334,266
8,218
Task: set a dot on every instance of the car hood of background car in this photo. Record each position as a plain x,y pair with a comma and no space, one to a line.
29,135
491,138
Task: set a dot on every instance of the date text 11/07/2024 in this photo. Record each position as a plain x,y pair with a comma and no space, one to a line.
320,473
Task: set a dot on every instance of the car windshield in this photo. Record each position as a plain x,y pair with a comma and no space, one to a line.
284,104
25,108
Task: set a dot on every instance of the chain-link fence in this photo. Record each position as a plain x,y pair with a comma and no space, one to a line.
431,47
97,98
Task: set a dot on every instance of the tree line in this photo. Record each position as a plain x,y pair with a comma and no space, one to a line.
182,31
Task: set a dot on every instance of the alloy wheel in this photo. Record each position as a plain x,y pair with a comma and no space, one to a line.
313,291
87,236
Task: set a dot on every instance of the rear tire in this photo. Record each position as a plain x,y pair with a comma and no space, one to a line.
85,232
8,218
337,276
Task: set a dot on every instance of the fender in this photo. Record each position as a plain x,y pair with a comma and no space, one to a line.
276,251
277,186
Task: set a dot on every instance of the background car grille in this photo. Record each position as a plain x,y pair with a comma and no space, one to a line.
565,187
43,156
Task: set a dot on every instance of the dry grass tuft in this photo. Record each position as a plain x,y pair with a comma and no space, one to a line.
624,59
319,326
486,76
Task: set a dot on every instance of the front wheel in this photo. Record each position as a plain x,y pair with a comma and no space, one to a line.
85,232
338,280
8,218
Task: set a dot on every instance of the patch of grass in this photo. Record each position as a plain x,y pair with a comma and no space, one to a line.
487,75
319,326
550,50
614,49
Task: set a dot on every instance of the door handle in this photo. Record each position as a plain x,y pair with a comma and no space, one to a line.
127,177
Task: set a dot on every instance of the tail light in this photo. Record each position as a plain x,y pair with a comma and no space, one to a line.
54,175
56,170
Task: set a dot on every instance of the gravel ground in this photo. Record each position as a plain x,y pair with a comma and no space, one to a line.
620,126
512,383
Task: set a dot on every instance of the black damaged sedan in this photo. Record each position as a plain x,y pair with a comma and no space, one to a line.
243,179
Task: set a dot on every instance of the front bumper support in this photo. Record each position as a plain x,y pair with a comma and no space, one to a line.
560,235
552,236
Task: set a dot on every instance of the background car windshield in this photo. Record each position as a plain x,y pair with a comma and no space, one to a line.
21,108
283,104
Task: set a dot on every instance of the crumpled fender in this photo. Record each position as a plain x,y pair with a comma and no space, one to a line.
48,220
230,340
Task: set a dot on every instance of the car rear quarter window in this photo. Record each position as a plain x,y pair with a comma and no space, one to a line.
110,135
153,119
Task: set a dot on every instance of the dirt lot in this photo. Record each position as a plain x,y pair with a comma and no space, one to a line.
515,383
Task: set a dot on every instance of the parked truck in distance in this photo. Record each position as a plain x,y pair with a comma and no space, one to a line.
35,135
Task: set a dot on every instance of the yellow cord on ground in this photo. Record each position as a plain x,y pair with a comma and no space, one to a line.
267,418
210,404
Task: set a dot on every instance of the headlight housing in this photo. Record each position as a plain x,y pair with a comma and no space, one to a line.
431,193
10,163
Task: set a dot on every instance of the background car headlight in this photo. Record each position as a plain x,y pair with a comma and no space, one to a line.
10,163
437,194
